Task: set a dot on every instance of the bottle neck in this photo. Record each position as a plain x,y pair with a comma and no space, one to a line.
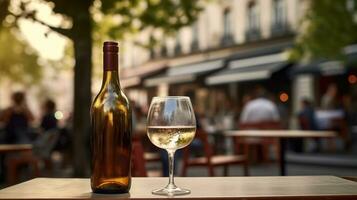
110,67
110,61
110,78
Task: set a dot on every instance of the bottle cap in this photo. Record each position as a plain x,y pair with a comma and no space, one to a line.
110,46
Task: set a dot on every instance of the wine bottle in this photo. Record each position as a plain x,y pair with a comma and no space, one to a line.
111,130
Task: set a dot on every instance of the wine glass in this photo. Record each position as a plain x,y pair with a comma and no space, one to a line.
171,125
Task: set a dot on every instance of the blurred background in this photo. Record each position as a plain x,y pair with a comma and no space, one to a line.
295,60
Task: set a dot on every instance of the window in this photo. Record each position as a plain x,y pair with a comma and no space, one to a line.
152,49
177,49
253,18
163,50
152,53
194,32
194,43
278,13
253,22
227,37
227,23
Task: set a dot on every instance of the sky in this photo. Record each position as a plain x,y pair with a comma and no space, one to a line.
51,47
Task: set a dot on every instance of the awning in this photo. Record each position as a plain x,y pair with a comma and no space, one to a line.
196,68
329,67
326,68
131,77
184,73
247,69
258,72
143,70
130,82
163,78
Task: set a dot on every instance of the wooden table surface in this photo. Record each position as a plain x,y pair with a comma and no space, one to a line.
288,187
8,148
281,133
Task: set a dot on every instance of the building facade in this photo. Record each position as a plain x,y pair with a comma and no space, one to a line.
233,45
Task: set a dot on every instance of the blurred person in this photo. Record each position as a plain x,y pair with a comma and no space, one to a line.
347,123
307,117
328,100
49,120
64,144
2,128
282,109
353,119
224,120
259,109
138,118
307,121
16,119
246,98
225,115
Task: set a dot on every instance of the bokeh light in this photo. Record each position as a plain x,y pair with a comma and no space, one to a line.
284,97
352,79
58,115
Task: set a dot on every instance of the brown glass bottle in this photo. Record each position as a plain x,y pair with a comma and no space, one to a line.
111,130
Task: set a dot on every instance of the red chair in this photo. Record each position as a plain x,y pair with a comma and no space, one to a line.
263,143
138,167
139,160
149,156
210,160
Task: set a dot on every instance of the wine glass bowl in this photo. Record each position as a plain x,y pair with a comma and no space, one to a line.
171,126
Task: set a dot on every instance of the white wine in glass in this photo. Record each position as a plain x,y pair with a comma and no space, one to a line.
171,126
171,137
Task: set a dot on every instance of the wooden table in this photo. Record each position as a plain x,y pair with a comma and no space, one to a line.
294,187
10,148
282,135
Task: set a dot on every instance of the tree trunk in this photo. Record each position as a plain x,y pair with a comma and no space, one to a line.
82,41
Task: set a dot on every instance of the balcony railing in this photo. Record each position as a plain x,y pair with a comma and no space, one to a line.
163,51
227,40
177,49
252,34
194,46
152,53
280,29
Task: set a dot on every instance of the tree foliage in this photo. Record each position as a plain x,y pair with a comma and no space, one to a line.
128,17
327,27
137,15
18,62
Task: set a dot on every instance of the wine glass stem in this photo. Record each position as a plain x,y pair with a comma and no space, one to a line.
171,154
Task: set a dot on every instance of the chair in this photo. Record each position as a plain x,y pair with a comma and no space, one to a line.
149,156
152,157
138,166
264,143
340,125
42,149
210,160
139,161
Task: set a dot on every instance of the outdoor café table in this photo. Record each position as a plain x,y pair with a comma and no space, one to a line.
10,148
278,187
282,135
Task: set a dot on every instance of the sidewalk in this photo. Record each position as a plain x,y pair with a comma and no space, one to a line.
333,160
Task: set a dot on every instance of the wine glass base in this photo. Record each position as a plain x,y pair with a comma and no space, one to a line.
171,191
